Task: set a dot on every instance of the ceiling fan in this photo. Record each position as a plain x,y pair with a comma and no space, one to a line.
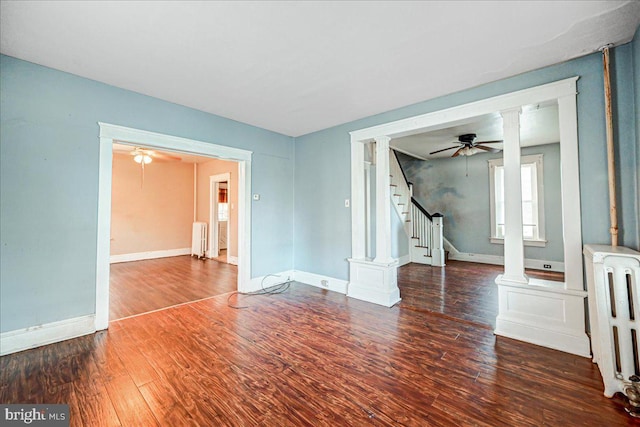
468,147
143,156
146,156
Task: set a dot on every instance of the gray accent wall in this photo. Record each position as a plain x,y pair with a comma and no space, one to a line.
49,185
442,185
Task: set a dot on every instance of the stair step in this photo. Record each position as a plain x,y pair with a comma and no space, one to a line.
399,195
401,204
407,220
418,246
392,185
405,213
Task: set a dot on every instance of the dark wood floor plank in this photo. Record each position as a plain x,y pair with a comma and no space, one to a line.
130,406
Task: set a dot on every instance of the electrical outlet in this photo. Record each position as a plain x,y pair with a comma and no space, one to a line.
547,266
324,283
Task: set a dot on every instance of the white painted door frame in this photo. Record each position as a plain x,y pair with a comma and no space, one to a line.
563,92
214,188
113,133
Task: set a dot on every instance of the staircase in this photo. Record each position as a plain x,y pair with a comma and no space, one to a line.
424,230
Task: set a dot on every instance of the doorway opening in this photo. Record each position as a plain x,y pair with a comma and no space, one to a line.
223,218
110,134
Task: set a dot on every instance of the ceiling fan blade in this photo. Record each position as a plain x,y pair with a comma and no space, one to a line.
492,150
457,153
489,142
444,149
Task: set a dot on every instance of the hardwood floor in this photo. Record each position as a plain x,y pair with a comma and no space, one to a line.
462,290
307,357
222,257
141,286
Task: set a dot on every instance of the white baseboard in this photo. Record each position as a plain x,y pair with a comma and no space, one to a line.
260,282
138,256
232,259
36,336
403,260
320,281
537,264
557,340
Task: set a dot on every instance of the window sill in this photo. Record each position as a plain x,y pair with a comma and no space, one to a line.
535,243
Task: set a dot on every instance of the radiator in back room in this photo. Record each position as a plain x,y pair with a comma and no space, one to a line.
199,239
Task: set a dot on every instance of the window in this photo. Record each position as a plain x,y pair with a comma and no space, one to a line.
532,200
223,211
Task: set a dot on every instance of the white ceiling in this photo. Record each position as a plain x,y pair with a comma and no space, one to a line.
539,125
299,67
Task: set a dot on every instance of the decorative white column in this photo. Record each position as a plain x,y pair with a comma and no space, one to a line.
513,240
383,202
373,281
571,222
541,312
358,214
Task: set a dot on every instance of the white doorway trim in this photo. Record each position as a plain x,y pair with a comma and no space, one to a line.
214,186
109,134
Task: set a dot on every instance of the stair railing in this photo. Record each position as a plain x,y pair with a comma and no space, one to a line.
424,229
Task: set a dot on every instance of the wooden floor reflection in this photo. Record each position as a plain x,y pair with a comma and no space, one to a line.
464,291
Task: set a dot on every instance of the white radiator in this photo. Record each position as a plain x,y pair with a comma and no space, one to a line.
199,239
613,282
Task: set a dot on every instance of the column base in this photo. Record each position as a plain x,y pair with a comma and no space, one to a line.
374,282
543,313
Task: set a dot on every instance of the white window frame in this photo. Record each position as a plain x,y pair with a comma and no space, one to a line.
538,161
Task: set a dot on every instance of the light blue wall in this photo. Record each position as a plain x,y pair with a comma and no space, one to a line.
442,185
399,238
322,164
624,124
49,185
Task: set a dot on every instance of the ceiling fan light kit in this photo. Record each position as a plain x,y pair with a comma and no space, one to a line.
142,158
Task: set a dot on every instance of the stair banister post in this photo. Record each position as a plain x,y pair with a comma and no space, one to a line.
437,251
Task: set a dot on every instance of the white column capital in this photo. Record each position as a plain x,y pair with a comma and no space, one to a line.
382,139
511,111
